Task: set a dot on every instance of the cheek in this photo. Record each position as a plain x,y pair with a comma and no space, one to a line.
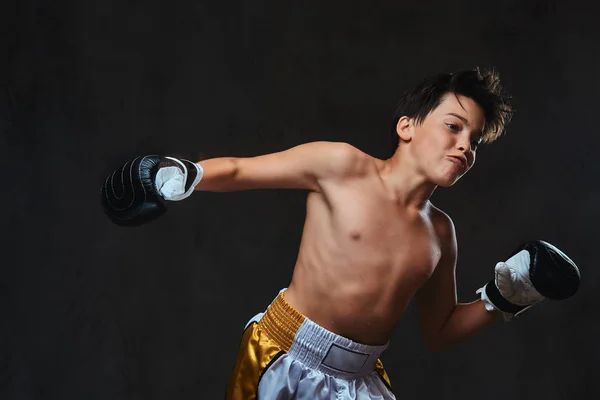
438,140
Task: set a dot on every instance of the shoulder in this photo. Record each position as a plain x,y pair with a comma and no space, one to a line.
340,151
344,158
444,229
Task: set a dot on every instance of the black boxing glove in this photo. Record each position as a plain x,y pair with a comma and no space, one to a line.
136,193
536,271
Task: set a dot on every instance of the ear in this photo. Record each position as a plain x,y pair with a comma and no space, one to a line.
404,128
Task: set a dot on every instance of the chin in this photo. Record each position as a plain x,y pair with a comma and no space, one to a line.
448,181
446,184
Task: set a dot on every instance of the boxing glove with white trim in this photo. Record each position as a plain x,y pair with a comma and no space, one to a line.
536,271
135,193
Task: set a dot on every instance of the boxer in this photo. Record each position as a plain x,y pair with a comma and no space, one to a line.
372,241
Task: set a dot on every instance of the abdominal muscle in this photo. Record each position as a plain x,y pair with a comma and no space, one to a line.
360,262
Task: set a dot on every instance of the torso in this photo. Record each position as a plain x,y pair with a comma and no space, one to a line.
362,258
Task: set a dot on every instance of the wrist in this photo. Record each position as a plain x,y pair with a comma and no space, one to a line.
177,178
492,308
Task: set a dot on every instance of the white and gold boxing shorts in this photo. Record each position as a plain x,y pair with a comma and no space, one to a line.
285,355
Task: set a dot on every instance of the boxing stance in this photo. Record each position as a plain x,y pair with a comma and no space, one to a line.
372,241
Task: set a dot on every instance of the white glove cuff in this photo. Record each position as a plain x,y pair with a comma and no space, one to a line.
171,181
490,307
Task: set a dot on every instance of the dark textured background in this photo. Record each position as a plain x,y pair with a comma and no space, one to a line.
91,311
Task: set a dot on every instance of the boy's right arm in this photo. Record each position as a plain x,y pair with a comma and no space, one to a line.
305,166
135,193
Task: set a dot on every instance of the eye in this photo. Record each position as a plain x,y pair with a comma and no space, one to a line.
453,127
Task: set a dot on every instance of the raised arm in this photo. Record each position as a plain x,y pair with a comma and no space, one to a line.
305,166
136,192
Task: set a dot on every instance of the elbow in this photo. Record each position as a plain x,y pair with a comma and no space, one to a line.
437,344
434,347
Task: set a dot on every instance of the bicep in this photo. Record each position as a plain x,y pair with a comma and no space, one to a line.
300,167
436,299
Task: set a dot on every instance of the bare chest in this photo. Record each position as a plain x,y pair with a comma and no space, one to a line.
377,232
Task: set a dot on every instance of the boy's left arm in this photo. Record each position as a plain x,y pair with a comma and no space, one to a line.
535,271
444,322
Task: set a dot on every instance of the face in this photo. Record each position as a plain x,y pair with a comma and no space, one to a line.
444,145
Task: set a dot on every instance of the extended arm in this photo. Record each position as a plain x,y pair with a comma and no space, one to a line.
136,193
304,166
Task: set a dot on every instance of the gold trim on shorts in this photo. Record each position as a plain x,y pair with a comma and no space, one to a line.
281,322
262,343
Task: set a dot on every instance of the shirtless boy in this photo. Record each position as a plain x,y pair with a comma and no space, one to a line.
372,241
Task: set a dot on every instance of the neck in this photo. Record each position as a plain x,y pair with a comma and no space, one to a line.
410,188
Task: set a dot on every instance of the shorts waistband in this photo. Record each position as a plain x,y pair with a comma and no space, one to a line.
314,346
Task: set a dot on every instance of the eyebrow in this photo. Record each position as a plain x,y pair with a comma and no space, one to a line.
466,122
463,119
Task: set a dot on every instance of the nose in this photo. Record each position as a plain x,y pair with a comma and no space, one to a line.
464,145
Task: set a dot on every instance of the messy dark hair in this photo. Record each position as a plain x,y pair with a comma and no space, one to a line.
483,87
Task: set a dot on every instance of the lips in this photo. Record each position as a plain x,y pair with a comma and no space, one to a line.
461,160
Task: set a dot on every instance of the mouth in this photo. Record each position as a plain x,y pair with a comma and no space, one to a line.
459,160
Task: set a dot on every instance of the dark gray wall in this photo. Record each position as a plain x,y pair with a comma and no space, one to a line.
91,311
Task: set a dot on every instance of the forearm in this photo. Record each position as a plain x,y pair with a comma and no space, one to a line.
465,321
219,175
